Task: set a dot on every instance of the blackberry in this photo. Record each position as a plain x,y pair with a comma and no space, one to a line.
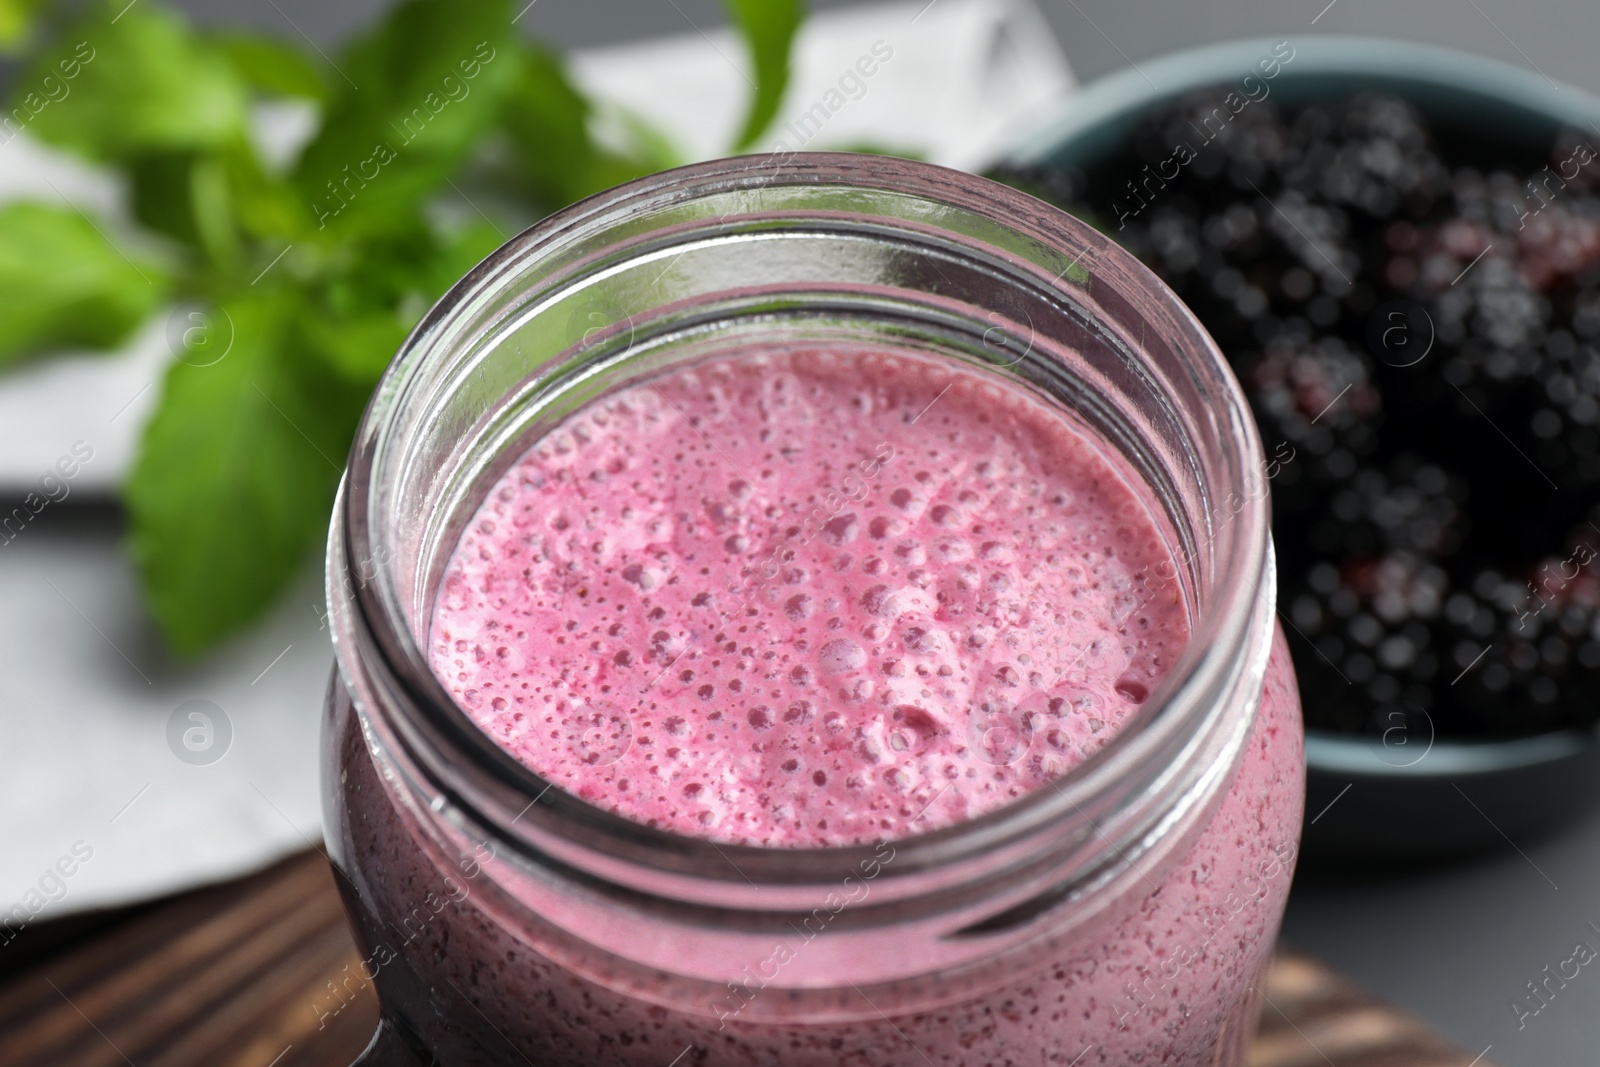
1432,498
1412,507
1525,649
1215,143
1315,394
1492,313
1373,154
1370,627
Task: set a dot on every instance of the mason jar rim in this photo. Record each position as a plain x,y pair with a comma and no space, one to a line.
464,769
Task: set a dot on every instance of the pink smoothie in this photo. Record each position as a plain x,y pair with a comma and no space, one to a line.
807,599
802,599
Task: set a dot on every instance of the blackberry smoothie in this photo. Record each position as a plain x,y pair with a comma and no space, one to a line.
803,599
807,598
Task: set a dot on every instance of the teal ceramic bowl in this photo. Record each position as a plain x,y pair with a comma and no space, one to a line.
1514,107
1399,797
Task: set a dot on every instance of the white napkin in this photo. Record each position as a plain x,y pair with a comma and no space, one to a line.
91,712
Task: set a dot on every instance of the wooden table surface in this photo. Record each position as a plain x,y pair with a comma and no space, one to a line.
237,976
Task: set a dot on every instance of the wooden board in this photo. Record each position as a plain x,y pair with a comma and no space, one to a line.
237,976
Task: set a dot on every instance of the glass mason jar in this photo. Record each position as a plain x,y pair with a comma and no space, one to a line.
1125,915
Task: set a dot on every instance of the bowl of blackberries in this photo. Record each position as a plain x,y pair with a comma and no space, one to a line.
1397,247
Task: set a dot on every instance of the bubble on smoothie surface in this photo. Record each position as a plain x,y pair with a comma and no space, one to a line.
779,599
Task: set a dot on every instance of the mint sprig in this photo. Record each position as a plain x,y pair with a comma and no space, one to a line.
769,27
300,282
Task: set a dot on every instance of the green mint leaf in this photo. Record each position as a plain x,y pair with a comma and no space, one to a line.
449,258
548,122
272,67
356,345
231,491
354,331
145,82
266,205
414,98
186,196
769,27
359,319
221,204
16,23
62,283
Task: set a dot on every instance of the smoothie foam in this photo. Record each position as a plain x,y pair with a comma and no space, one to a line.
807,598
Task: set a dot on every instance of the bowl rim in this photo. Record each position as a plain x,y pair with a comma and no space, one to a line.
1134,88
1353,755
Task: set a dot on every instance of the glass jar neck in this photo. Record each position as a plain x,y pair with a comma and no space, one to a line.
743,252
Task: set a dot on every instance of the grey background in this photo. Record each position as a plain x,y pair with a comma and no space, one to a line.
1557,37
1454,945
